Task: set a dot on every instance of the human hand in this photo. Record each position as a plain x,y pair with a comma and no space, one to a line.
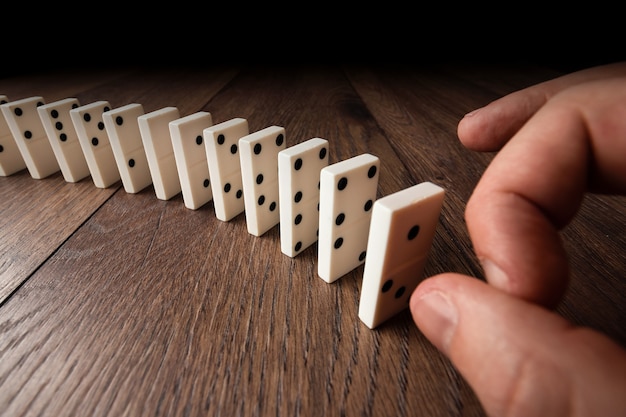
556,141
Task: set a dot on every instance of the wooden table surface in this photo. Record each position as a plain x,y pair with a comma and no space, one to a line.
124,304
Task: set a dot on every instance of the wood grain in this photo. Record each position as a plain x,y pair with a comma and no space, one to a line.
123,304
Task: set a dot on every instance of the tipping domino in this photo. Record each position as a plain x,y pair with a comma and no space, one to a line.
122,127
258,153
30,136
299,168
157,143
94,141
190,154
402,229
222,150
347,192
62,135
11,160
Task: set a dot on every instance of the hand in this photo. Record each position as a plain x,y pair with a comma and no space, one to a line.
556,141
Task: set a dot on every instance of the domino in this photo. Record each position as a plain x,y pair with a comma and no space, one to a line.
122,127
11,160
63,138
259,174
402,230
157,143
190,154
94,141
222,150
347,192
299,168
30,136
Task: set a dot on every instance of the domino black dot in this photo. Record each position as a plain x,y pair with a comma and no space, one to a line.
322,154
368,205
221,139
87,117
94,141
338,243
318,185
298,197
298,219
280,139
298,164
400,292
206,183
63,137
106,108
18,111
239,193
340,218
362,256
227,187
387,285
58,125
413,232
39,103
261,200
54,114
257,149
119,120
233,149
131,162
298,246
372,171
199,140
28,134
101,125
273,206
74,105
259,178
342,184
3,102
1,148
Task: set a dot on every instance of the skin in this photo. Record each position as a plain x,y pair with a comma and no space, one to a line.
556,141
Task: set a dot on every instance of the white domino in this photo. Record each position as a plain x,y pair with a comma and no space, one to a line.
402,230
62,135
299,169
222,149
190,154
157,143
122,127
94,141
348,190
11,160
258,152
30,136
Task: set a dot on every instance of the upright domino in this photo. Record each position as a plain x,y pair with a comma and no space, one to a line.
347,192
62,135
30,136
222,148
299,169
402,230
259,173
122,127
94,141
157,142
191,162
11,160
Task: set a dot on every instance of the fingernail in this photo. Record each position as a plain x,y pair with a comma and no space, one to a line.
494,275
436,316
472,113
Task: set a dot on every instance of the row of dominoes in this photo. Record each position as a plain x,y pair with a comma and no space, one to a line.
254,173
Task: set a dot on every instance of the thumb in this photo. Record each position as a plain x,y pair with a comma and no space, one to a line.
519,358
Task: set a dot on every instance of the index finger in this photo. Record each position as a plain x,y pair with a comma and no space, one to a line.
535,184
